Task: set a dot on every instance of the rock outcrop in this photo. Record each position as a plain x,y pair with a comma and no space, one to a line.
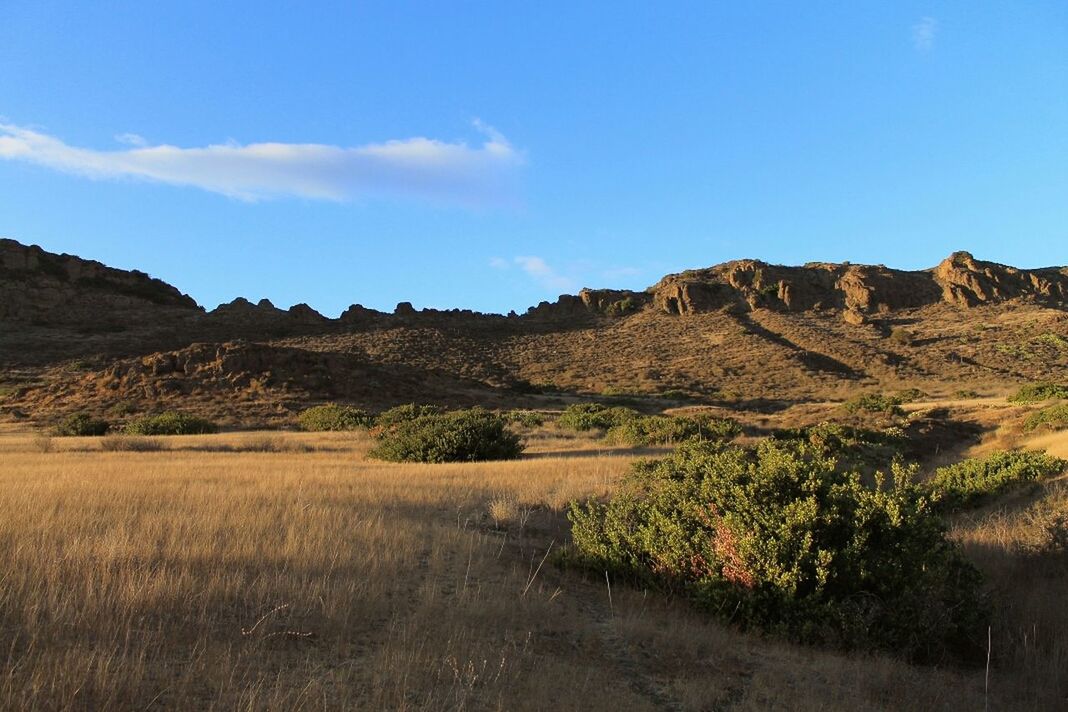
856,290
39,287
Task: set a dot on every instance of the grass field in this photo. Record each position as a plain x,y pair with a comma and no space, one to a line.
284,571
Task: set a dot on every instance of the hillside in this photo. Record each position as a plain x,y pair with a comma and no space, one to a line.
77,335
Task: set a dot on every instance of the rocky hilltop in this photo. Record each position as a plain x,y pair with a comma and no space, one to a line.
42,287
76,334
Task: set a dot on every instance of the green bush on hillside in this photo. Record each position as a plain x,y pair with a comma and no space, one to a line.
783,540
875,403
459,436
974,481
332,416
851,446
593,416
665,430
1035,392
1053,418
170,423
406,412
82,424
527,418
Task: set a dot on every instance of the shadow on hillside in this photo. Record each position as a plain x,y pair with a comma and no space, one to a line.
811,359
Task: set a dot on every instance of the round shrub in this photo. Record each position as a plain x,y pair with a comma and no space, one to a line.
406,412
781,539
460,436
82,424
665,429
170,423
593,416
875,403
526,418
332,416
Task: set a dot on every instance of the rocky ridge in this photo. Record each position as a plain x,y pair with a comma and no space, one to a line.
39,287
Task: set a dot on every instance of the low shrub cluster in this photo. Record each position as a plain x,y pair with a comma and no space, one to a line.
458,436
527,418
81,424
594,416
170,423
781,539
647,430
876,403
1035,392
971,482
1053,418
404,413
333,417
901,335
129,443
853,446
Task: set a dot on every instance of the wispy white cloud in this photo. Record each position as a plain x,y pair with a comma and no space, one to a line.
540,271
414,168
620,272
923,34
131,139
567,279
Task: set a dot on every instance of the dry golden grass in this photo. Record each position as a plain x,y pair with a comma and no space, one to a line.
199,578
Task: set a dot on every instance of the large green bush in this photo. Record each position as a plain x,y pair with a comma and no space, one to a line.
666,429
82,424
458,436
781,539
1053,418
593,416
406,412
170,423
1035,392
974,481
332,416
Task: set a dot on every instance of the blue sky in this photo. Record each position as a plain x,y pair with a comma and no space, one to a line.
492,155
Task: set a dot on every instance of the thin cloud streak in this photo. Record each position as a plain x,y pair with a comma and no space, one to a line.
540,271
923,34
418,168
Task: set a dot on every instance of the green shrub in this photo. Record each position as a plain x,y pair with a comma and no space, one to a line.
460,436
82,424
665,429
1035,392
875,403
784,541
853,446
593,416
971,482
909,395
170,423
902,336
1053,418
332,416
527,418
406,412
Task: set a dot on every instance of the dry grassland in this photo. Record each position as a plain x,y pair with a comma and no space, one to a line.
222,574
